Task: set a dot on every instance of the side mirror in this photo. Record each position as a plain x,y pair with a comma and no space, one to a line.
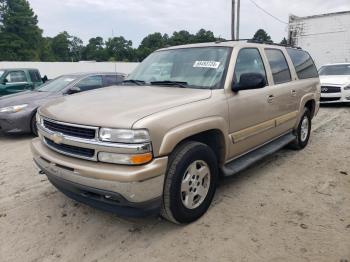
250,81
73,90
44,79
5,81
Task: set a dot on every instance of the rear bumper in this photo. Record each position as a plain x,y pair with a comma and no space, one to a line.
125,190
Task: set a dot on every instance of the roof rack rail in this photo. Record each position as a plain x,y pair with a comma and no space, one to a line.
257,42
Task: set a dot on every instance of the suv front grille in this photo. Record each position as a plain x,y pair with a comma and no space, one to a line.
330,89
71,150
69,130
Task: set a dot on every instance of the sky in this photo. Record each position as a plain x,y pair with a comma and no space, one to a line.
135,19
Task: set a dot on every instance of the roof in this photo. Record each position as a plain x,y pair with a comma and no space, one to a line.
226,43
294,17
13,69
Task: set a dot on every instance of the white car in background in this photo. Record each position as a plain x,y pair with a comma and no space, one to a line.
335,83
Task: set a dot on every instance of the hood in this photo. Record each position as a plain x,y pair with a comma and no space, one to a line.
119,107
335,80
27,97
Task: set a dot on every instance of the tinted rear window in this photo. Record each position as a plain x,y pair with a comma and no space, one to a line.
303,63
279,66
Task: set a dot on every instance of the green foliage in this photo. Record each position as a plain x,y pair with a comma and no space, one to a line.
60,47
120,49
284,41
21,39
20,36
95,50
262,36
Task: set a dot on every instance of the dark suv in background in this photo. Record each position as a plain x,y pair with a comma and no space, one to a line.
17,112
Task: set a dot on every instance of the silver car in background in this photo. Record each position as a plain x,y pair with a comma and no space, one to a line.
335,83
17,112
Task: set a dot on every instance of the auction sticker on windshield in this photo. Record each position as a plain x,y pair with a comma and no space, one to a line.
207,64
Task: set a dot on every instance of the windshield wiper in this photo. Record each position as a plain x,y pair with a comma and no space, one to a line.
171,83
134,81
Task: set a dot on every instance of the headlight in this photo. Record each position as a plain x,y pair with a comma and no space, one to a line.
39,119
13,109
124,135
347,87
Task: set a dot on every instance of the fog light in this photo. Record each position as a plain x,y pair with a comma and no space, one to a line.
125,159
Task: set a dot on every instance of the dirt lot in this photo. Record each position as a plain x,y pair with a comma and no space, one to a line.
293,206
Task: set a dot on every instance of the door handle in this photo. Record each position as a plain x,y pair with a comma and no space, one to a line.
293,92
270,98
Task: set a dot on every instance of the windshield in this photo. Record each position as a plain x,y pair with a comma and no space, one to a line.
333,70
192,67
57,84
1,72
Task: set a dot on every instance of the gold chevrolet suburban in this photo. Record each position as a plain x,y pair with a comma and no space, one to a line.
185,117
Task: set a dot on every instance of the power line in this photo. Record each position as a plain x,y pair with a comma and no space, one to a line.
268,13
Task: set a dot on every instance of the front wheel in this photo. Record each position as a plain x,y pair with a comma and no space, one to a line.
303,132
190,182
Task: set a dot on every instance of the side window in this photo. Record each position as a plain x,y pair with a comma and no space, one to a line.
16,77
248,61
279,66
303,63
110,80
90,83
34,76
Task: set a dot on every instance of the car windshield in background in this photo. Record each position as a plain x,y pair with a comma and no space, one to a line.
1,73
57,84
187,67
333,70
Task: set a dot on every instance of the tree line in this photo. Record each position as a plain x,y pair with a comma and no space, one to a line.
21,39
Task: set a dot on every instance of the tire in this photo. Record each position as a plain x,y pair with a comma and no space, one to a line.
33,126
302,138
180,203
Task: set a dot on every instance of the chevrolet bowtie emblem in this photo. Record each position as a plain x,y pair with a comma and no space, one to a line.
57,138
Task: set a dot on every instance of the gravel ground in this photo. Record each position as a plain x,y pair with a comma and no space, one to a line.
292,206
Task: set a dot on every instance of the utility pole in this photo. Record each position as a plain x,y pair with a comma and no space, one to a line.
238,17
235,19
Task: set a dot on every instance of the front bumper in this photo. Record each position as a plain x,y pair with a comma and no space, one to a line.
126,190
15,123
330,98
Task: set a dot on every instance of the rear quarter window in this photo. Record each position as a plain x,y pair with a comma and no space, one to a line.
303,63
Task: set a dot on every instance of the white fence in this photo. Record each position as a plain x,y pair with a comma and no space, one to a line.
54,69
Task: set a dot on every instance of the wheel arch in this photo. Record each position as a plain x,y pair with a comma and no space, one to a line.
210,131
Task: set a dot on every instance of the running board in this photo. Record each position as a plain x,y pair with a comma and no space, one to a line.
243,162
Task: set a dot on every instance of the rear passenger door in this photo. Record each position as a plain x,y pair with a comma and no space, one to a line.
284,100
